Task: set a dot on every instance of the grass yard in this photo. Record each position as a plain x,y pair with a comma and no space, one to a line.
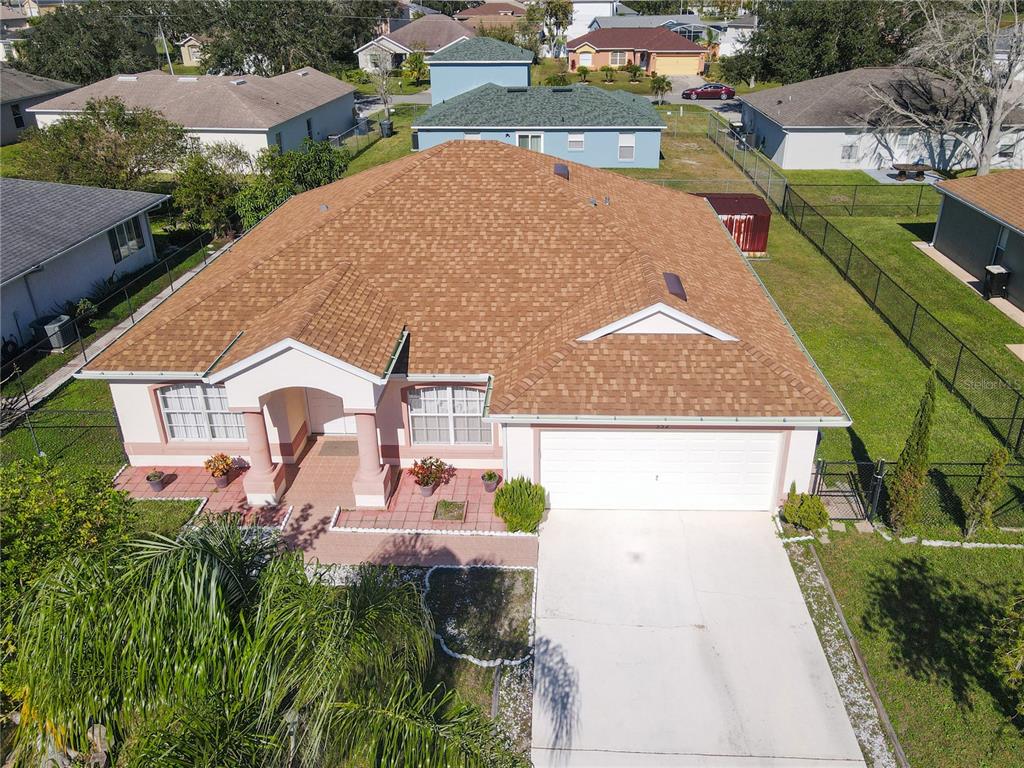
399,144
828,177
923,618
986,330
399,87
9,160
540,72
164,518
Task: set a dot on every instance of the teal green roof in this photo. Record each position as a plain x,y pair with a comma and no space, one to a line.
481,49
579,106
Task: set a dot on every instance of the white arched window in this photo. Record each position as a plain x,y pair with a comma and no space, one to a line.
199,412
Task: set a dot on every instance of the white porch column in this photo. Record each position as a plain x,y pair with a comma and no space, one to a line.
370,484
264,480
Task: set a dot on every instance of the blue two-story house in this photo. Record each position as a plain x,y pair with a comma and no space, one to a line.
582,123
465,64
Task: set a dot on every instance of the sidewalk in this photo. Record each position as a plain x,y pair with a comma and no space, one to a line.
58,378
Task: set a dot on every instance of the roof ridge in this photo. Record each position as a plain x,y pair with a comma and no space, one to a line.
783,372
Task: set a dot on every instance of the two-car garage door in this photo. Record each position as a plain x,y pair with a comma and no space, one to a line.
660,469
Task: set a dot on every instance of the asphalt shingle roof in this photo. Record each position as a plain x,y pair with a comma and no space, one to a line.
846,99
1001,195
16,85
658,40
481,49
40,219
430,33
211,101
642,22
334,268
578,106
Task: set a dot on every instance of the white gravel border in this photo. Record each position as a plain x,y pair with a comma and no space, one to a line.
473,659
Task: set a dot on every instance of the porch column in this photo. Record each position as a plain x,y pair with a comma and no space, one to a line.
263,481
371,482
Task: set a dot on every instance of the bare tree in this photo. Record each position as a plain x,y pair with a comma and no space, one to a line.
965,75
380,77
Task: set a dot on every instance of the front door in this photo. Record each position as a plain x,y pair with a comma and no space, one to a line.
327,414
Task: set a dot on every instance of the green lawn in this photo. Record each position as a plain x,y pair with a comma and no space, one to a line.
163,518
181,69
829,177
9,160
395,146
399,87
986,330
540,72
923,618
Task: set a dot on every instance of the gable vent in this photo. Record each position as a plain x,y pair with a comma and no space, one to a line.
674,285
127,78
561,169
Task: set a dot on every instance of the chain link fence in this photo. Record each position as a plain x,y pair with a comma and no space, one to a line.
80,440
911,199
24,367
996,402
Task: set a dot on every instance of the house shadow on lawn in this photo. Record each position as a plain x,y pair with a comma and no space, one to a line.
921,230
940,629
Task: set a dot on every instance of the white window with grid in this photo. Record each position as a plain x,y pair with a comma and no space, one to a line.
627,146
617,58
199,412
125,239
576,142
447,416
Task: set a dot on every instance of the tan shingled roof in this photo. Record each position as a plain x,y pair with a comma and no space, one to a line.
1001,195
506,291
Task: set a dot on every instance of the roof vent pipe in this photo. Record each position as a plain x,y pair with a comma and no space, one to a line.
323,207
561,169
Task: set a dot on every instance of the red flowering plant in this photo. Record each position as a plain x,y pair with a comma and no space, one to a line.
431,471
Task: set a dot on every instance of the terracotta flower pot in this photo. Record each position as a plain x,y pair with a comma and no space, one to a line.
491,485
221,481
427,490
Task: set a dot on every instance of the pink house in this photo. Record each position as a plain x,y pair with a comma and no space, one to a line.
486,305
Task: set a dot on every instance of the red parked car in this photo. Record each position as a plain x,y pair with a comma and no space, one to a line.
710,91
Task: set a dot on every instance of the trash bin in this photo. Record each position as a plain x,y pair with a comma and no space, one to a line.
997,277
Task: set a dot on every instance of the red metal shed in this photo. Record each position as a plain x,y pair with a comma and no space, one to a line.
746,216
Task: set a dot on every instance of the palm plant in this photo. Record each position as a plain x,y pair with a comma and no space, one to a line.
414,68
609,73
220,648
634,70
660,85
583,72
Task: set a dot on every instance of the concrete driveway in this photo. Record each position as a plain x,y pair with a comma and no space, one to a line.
678,639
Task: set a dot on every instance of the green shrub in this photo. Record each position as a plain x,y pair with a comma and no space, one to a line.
804,510
520,504
357,76
978,512
911,473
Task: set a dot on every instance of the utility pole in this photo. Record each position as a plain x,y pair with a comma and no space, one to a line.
167,52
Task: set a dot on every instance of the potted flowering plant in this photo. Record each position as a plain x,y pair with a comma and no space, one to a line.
491,479
219,466
156,480
429,473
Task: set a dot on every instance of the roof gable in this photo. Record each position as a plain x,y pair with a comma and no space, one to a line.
480,49
657,319
657,39
997,194
429,33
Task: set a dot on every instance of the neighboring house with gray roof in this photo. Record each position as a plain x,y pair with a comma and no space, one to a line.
250,111
466,64
833,122
427,34
668,20
63,242
18,92
582,123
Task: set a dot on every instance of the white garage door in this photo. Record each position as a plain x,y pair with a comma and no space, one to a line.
655,469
